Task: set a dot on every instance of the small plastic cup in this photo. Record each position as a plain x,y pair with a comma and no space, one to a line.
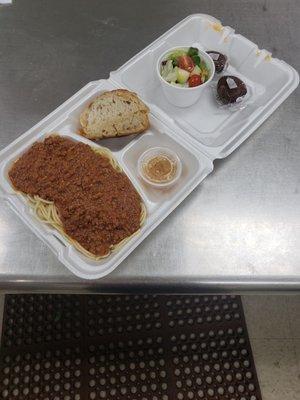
155,151
184,96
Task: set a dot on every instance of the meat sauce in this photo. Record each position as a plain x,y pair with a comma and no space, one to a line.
98,206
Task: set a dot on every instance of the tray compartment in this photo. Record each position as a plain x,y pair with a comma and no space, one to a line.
190,165
215,130
63,121
71,123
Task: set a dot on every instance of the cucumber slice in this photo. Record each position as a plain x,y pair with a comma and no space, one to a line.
182,75
196,70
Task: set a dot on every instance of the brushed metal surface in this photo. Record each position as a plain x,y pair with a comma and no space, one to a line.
239,230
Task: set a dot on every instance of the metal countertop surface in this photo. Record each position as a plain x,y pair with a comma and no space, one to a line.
239,230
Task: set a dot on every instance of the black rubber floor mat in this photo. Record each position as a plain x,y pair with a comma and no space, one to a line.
71,347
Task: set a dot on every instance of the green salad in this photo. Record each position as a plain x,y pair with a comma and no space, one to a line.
184,68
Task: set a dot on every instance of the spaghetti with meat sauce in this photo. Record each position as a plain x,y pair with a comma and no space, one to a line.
82,192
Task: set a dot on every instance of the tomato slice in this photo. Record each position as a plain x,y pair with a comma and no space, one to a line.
186,62
195,80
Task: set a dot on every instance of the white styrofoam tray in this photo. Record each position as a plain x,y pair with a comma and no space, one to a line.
198,134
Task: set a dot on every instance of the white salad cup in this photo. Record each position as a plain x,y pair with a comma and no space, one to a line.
184,96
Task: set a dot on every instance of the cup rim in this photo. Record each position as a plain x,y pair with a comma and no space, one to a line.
180,87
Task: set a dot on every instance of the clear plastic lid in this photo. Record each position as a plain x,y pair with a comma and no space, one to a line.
160,167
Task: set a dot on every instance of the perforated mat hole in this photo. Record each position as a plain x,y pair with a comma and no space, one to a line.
220,391
163,374
206,368
56,387
144,388
197,369
17,369
161,362
238,376
241,388
92,383
133,389
27,368
230,389
251,387
123,390
77,373
188,382
248,375
143,376
229,377
5,381
16,380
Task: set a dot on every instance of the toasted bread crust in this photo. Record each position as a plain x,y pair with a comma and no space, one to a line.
115,113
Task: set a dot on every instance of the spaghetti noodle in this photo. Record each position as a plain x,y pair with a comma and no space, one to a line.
47,212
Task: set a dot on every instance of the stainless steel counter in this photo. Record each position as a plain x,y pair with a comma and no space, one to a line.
239,230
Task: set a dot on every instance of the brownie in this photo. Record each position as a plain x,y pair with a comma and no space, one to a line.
230,89
219,59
